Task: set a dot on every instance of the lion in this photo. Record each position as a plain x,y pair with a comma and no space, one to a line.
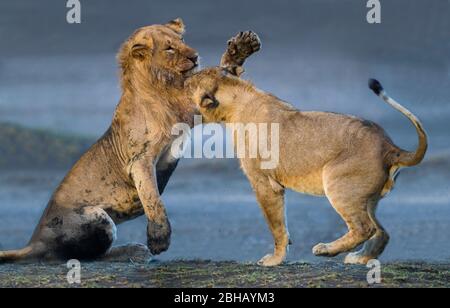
349,160
124,173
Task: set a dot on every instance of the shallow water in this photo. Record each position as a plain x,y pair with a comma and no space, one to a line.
78,94
214,215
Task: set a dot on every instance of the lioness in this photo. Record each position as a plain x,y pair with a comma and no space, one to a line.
123,174
349,160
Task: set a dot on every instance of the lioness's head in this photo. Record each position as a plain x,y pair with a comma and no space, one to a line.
217,93
159,50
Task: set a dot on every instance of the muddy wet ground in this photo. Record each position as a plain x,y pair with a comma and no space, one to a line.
205,274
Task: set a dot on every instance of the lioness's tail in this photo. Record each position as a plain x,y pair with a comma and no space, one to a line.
16,255
404,158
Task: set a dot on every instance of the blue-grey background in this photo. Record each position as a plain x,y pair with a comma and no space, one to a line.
317,54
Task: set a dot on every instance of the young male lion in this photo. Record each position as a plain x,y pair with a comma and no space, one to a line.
124,173
349,160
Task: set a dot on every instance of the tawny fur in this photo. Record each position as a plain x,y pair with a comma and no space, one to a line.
123,174
349,160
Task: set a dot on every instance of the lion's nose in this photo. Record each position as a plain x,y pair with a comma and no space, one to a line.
194,58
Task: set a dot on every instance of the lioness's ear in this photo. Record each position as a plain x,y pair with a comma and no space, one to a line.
176,25
139,51
209,102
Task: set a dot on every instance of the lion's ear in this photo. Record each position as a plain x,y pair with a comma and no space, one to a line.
139,51
176,25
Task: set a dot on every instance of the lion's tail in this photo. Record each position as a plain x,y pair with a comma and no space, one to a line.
404,158
17,255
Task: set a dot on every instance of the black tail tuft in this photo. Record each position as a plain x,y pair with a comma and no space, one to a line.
375,86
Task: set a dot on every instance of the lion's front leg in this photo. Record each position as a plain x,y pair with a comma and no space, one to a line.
158,229
240,47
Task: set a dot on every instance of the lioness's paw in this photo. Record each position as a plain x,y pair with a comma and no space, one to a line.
243,45
158,237
271,260
321,250
356,258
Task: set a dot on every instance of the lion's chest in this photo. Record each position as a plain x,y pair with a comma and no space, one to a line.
128,210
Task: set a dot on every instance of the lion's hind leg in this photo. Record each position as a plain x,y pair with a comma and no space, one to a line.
83,233
133,252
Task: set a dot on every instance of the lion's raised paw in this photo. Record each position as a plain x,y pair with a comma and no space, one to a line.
243,45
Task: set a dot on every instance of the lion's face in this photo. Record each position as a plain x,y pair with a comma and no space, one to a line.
161,48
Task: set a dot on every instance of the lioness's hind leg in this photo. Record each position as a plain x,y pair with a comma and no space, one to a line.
353,188
374,246
351,203
360,229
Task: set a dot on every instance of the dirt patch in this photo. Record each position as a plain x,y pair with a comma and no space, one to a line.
205,274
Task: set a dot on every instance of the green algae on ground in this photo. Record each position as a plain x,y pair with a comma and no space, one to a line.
205,274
